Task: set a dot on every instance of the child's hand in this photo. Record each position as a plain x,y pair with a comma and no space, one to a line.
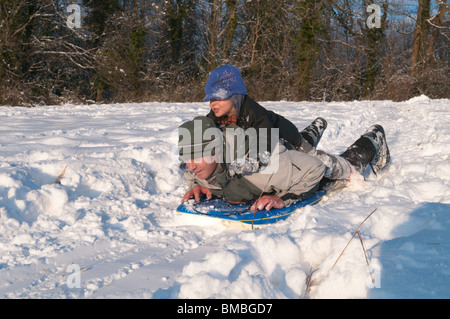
196,192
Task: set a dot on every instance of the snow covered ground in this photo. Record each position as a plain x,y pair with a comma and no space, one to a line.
110,228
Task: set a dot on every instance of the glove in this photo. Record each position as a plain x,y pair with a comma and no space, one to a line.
243,166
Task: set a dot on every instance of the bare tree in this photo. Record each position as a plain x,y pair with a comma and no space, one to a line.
139,50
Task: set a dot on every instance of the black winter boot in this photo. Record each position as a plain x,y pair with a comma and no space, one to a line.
382,157
314,131
370,149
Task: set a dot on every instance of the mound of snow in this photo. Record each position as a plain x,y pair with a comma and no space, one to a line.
110,229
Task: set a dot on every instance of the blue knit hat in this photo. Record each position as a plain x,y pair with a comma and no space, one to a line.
223,82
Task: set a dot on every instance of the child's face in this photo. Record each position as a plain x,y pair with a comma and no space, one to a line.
221,107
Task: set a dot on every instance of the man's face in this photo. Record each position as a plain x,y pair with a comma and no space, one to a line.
202,167
221,107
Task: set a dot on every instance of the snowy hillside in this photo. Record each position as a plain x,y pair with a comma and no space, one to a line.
112,220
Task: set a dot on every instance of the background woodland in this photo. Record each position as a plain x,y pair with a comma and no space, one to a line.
137,50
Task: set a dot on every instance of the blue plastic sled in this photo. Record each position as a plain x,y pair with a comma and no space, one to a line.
217,208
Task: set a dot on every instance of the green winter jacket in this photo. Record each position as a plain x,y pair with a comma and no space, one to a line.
290,174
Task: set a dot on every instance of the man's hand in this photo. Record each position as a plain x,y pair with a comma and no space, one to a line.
268,202
196,192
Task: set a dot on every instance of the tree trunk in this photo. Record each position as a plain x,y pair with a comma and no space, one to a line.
420,37
437,22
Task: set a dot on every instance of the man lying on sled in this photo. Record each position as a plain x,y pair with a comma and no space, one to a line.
234,166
